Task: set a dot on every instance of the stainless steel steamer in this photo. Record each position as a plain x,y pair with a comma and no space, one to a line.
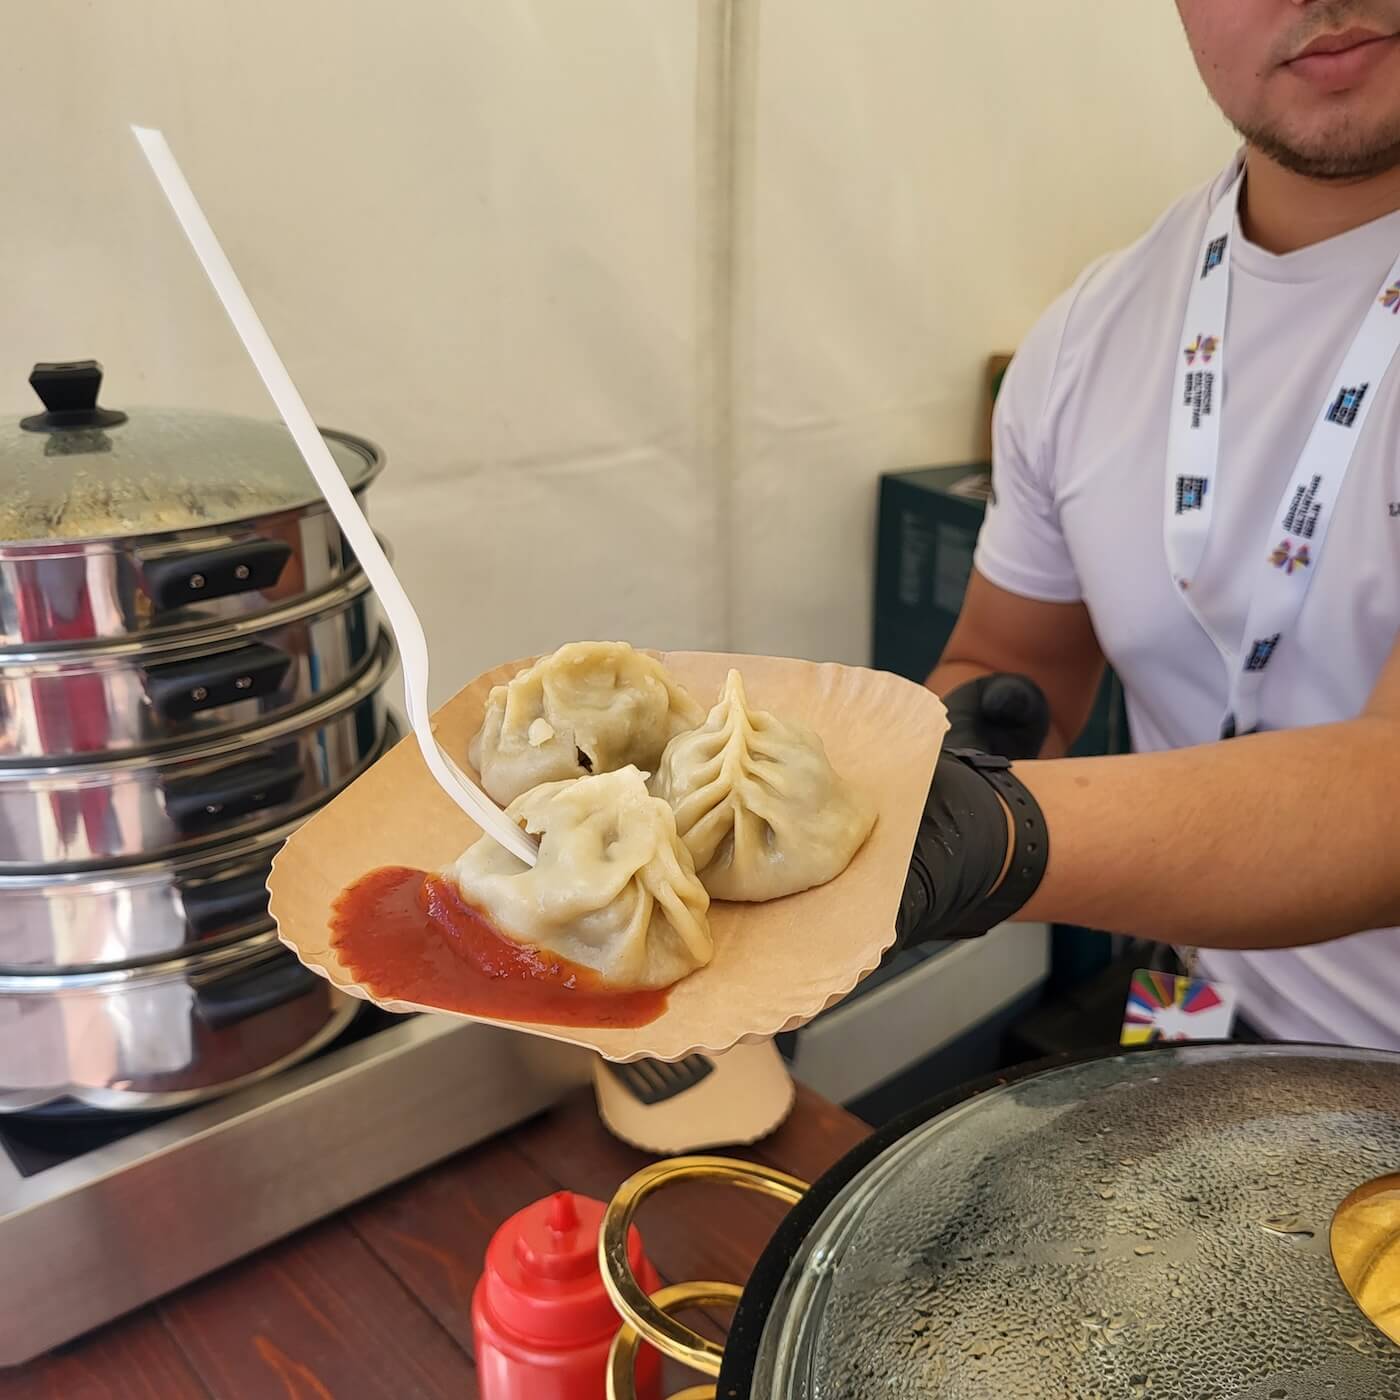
163,1034
159,521
67,815
190,663
51,923
142,693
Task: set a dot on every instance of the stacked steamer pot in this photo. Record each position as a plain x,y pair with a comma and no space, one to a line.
190,664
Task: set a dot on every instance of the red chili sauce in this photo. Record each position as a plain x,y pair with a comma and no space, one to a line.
407,935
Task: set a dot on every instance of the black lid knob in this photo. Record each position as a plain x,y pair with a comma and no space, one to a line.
69,389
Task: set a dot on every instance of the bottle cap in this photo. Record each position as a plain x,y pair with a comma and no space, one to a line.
541,1279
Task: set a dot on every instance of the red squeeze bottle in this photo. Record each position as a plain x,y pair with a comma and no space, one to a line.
542,1320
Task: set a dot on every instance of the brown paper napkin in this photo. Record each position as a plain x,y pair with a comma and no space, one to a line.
776,965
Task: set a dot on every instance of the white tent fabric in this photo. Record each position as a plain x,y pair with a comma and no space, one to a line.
640,295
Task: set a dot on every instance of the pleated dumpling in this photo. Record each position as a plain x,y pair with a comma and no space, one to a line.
614,888
758,803
590,707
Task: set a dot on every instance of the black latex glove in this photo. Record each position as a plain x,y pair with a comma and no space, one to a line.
1002,713
959,855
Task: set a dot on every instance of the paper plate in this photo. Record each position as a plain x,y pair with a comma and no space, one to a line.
776,965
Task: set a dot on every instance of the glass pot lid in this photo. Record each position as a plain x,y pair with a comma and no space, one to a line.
1150,1225
81,471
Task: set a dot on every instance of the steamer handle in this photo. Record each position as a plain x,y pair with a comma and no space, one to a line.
194,576
180,690
250,992
226,904
211,800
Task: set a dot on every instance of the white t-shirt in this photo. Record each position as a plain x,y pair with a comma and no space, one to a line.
1080,446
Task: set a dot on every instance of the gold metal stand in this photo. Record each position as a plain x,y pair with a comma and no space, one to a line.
648,1318
622,1359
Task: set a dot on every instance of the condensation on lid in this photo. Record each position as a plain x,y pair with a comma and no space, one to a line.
160,470
1150,1225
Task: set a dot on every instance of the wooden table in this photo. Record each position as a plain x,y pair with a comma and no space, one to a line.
376,1302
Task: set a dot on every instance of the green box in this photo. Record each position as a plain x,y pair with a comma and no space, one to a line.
929,521
928,524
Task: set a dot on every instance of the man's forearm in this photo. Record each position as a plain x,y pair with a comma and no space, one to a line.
1272,840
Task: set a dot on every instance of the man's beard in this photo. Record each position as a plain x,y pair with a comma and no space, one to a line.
1346,157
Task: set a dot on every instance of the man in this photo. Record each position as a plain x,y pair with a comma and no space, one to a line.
1197,476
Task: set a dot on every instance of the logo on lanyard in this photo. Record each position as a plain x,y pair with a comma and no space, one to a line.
1215,255
1205,346
1284,558
1199,392
1304,510
1191,493
1390,298
1261,653
1347,405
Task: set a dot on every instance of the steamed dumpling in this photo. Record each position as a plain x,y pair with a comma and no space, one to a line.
591,707
758,803
614,888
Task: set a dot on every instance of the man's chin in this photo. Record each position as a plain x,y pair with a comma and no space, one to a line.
1339,157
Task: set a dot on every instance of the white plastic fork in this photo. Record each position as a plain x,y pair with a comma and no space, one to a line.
403,620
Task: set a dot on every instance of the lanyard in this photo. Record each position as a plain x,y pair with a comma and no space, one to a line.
1305,511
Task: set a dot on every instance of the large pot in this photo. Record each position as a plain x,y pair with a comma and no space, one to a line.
117,525
148,806
142,694
1152,1224
160,1035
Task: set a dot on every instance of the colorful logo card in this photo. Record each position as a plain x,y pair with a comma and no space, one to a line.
1162,1007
